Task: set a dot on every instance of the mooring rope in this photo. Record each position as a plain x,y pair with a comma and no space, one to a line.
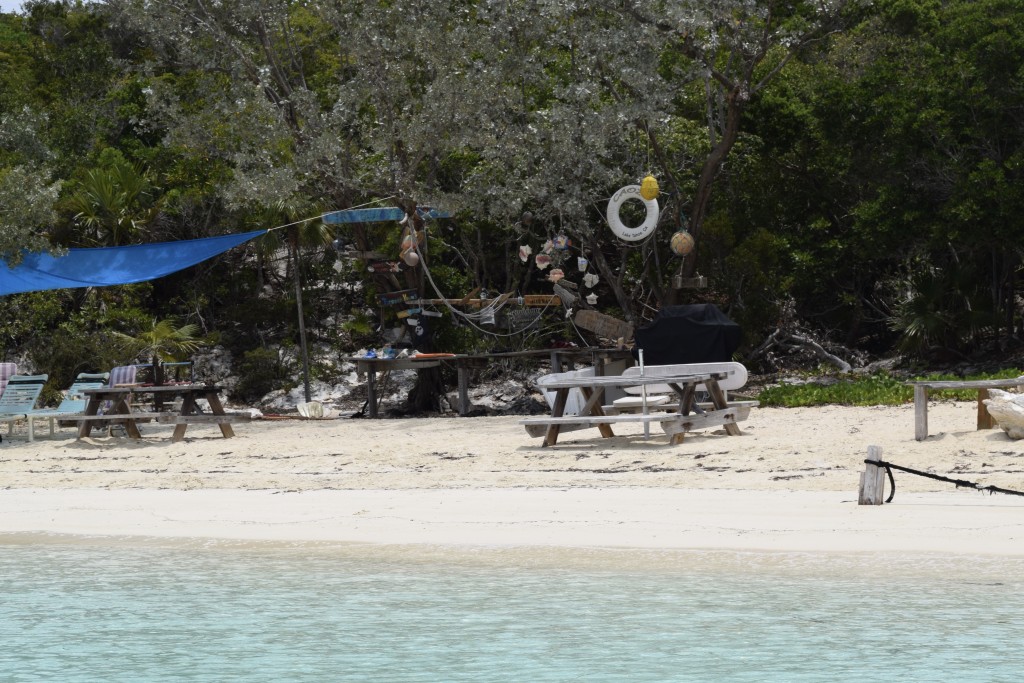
960,483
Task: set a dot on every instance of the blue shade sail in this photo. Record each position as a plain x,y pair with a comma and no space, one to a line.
107,266
378,215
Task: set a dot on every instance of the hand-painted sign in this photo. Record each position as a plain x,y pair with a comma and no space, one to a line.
394,298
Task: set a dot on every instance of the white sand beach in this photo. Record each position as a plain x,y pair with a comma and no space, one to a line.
788,483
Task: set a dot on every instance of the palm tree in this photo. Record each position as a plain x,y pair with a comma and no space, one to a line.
116,203
163,342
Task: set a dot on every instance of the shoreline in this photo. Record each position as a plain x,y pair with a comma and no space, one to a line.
950,524
788,484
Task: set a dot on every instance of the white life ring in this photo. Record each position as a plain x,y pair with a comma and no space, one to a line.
618,227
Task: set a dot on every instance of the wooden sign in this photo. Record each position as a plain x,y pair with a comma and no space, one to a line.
407,312
395,298
680,282
603,325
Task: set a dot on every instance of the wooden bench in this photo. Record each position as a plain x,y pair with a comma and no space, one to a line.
175,419
982,385
672,423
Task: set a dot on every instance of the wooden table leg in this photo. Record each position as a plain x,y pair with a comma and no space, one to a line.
920,412
123,408
217,409
371,390
463,371
561,396
91,409
593,407
718,399
687,401
188,407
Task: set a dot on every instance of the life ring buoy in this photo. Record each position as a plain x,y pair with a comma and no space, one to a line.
623,231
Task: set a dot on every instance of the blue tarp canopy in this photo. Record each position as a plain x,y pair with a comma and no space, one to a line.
107,266
379,215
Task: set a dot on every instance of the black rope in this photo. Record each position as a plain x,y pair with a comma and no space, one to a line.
960,483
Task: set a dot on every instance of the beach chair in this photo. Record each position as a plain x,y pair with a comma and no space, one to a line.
7,370
72,404
19,398
121,375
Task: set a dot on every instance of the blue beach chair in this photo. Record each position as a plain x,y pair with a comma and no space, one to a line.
19,398
73,403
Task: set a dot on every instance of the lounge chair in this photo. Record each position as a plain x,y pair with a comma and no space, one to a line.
19,398
73,403
7,370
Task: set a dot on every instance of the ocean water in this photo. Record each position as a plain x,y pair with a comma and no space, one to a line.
95,610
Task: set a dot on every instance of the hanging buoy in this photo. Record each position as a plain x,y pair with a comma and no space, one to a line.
649,187
623,231
681,243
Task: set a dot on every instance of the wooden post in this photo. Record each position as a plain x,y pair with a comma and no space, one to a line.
872,480
463,371
371,389
985,420
920,412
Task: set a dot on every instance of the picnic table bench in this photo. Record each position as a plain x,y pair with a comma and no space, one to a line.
921,389
123,409
675,424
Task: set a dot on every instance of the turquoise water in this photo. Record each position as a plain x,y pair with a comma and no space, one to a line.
73,611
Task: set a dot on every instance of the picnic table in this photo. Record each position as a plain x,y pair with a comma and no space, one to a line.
124,408
675,424
981,385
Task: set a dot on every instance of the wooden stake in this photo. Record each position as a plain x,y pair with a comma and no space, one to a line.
872,480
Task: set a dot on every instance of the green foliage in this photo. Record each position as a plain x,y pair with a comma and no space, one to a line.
114,202
162,341
260,372
881,389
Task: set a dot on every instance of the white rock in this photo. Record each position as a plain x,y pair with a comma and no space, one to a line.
1008,411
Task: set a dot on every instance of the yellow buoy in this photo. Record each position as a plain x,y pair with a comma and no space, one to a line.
649,188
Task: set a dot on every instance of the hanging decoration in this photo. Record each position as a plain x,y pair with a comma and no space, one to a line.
681,243
591,280
649,188
542,261
555,275
582,263
621,230
561,243
591,298
524,253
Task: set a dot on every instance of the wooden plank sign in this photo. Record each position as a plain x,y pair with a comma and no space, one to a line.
409,311
395,298
604,325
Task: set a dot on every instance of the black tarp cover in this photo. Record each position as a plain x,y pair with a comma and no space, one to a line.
695,333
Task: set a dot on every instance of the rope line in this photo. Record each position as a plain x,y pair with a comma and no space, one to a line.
960,483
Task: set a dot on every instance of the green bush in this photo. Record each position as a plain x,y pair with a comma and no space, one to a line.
260,372
870,390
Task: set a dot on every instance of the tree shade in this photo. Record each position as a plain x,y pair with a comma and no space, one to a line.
107,266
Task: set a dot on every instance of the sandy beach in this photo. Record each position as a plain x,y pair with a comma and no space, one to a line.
788,483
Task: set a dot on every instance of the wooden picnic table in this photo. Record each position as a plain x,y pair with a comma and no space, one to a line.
124,408
675,424
981,385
